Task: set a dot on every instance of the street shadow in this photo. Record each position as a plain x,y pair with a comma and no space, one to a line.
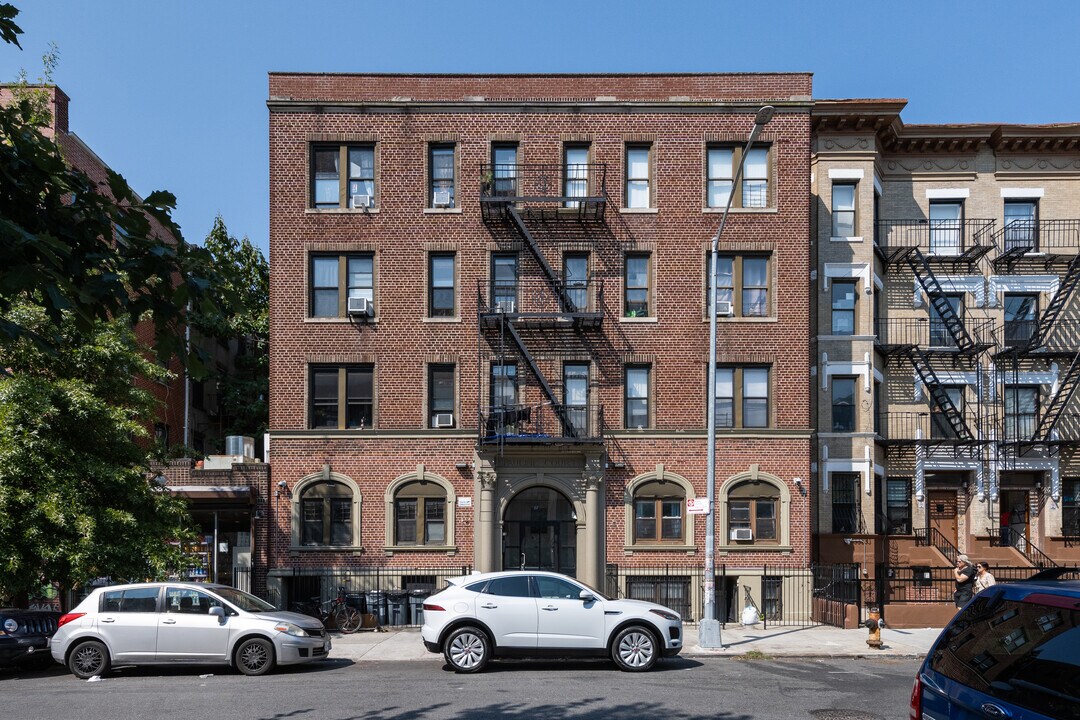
598,708
601,665
197,671
32,671
757,638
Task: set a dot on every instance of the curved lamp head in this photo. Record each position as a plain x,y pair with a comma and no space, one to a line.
764,115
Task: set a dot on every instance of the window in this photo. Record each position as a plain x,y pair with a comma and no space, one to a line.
326,514
442,174
576,281
442,289
772,597
845,502
505,165
1021,312
133,600
940,336
753,512
658,512
504,390
946,222
1021,411
940,428
721,164
553,587
898,506
743,282
342,397
576,180
1021,225
576,396
637,397
843,404
638,176
843,210
420,514
1070,509
333,189
441,396
637,286
189,602
668,590
844,295
335,278
512,586
504,282
742,397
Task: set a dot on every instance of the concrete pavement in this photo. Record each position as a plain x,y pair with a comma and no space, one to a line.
815,641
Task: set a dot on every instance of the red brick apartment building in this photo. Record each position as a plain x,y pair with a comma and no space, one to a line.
489,330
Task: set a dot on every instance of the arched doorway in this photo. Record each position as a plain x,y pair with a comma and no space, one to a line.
540,532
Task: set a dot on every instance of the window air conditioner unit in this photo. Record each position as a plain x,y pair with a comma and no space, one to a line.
359,306
742,534
504,306
442,199
444,420
723,307
361,201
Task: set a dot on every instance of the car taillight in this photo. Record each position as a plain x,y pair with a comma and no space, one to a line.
434,608
916,699
66,618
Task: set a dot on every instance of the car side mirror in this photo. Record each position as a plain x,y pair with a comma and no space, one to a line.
587,596
218,612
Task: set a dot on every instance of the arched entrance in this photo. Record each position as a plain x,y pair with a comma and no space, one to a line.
540,532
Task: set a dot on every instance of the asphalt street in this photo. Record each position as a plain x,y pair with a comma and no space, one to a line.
680,689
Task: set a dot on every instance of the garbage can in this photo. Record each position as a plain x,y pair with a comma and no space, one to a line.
398,602
376,602
356,600
416,605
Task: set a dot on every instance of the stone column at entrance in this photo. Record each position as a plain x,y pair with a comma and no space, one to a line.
593,572
487,525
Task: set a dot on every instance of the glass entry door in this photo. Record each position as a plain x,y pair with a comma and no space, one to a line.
540,532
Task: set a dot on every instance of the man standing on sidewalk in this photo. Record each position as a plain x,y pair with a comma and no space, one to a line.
964,573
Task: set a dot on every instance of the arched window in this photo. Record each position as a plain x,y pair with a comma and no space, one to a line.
420,514
656,517
326,514
753,512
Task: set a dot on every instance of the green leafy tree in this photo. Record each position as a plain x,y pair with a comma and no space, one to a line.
75,501
239,310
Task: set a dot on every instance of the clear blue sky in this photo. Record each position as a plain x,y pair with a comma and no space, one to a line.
172,94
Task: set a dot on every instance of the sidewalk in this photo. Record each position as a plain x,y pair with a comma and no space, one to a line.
816,641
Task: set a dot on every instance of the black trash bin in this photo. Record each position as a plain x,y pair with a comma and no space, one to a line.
356,600
376,602
398,604
416,605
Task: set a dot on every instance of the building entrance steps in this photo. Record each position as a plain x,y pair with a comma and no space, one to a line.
817,641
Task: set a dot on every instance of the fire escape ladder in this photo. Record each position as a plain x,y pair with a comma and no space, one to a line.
553,280
936,295
1057,304
1054,410
549,393
939,396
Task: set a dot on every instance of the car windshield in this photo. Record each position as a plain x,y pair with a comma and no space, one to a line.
242,600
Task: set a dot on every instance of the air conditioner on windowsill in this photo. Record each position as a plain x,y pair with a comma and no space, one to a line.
742,534
441,199
504,306
361,201
444,420
723,307
359,306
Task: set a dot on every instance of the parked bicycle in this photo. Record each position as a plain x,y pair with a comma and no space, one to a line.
346,618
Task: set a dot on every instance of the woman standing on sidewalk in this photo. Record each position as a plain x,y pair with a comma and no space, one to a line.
983,578
964,572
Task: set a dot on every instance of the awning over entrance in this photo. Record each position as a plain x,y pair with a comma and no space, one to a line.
215,495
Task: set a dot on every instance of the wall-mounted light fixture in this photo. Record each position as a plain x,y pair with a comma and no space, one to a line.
282,488
160,480
461,465
616,465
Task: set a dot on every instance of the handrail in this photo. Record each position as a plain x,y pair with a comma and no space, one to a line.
1006,536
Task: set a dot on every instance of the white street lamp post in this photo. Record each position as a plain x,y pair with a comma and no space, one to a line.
709,628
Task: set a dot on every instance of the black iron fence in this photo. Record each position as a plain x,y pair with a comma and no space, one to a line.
926,584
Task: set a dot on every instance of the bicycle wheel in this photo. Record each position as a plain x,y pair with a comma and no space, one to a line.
348,619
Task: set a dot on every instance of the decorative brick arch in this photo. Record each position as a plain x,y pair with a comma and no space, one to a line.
319,478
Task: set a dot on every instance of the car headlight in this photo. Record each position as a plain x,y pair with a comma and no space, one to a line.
290,629
10,625
664,614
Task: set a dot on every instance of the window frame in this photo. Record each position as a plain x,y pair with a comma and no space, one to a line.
738,395
837,211
422,505
837,312
648,179
904,506
939,427
738,191
834,382
658,517
1012,419
342,397
574,286
572,178
344,173
434,182
1027,235
752,497
434,310
838,489
1015,338
343,287
328,495
628,399
432,401
738,288
649,311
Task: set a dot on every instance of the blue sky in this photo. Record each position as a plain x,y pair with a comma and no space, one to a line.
172,94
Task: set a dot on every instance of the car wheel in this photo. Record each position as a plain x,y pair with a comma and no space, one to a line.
467,649
634,649
88,659
254,656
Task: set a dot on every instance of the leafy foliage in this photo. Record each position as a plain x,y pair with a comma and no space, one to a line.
75,502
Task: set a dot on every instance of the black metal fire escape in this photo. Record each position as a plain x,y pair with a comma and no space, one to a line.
516,199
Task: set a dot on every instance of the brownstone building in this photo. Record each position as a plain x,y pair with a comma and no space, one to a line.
489,328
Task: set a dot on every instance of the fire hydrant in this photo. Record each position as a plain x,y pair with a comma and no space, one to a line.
874,624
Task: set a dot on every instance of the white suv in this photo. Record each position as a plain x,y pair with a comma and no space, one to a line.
531,614
155,623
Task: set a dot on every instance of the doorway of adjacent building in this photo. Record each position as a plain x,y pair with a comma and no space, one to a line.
540,532
1014,526
941,513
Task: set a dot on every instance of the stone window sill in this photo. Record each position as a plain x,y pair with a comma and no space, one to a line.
836,238
740,211
438,320
659,547
649,319
442,211
341,211
399,549
776,549
639,211
341,320
355,549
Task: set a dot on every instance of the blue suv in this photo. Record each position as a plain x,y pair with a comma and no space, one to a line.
1012,653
